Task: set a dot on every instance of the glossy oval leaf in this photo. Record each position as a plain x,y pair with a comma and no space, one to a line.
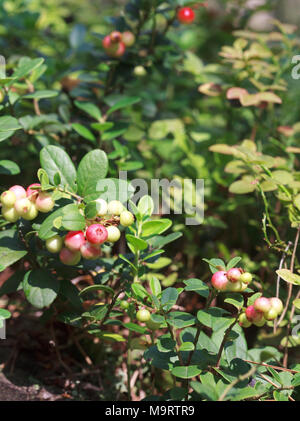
55,160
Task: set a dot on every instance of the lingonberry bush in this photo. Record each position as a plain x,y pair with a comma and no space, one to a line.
156,94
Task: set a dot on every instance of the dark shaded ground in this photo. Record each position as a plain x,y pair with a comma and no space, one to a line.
35,366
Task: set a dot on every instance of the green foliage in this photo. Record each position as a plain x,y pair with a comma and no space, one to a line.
178,105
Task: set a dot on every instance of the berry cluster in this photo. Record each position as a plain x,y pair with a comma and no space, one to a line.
87,244
263,309
20,203
234,280
116,42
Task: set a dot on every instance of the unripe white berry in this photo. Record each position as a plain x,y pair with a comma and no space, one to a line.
115,207
102,206
114,234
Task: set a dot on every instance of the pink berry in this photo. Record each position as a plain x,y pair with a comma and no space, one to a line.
253,315
219,281
68,257
19,191
106,42
128,38
74,240
96,234
32,193
234,274
262,304
118,52
44,202
90,251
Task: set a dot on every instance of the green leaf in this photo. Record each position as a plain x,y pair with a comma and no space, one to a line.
136,243
90,108
47,229
296,380
102,127
9,124
135,328
160,241
92,167
233,262
111,189
280,396
168,298
139,291
180,319
242,187
115,337
91,288
159,263
91,210
288,276
296,303
40,94
84,132
71,293
275,375
198,286
40,287
55,160
72,220
4,314
113,134
155,286
153,254
26,66
9,168
236,299
187,346
127,261
155,227
11,248
215,264
282,177
236,348
165,343
210,316
5,135
146,206
253,297
124,102
97,313
186,372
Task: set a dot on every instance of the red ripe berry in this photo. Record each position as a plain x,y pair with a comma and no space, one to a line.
253,315
219,281
90,251
186,15
96,234
234,274
262,304
74,240
118,52
106,42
